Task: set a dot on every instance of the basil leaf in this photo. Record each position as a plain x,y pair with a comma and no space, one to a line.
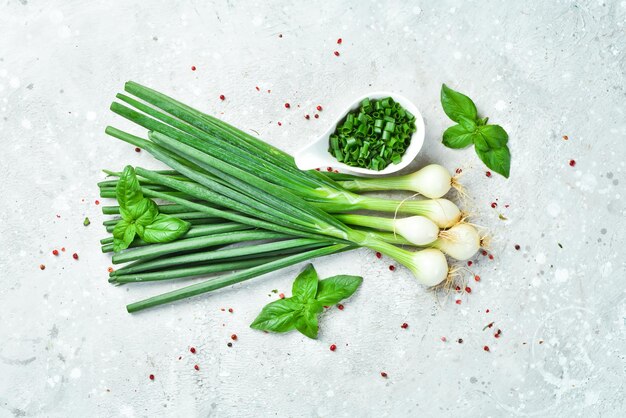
499,159
305,286
495,136
145,212
307,323
468,124
482,121
278,316
164,228
123,235
128,190
457,137
480,143
334,289
456,104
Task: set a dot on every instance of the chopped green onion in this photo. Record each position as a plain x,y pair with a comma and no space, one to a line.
374,125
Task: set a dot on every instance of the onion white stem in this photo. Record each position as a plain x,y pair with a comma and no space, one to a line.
461,241
432,181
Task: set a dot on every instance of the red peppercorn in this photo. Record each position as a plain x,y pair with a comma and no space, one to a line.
572,163
378,255
55,252
287,105
497,334
458,171
319,108
565,137
339,41
282,296
193,350
392,267
484,252
230,310
488,173
404,326
137,149
222,97
340,307
307,117
486,348
193,68
468,289
469,263
444,339
477,278
97,202
333,347
151,377
75,256
317,169
336,53
487,311
491,256
329,169
196,367
42,267
458,301
257,88
63,249
280,124
110,269
383,374
317,116
494,205
233,337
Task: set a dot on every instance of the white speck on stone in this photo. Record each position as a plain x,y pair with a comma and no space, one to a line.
90,115
65,32
606,269
588,182
500,105
56,16
540,258
536,281
75,373
26,124
14,82
127,411
561,275
257,21
553,209
458,55
508,45
417,10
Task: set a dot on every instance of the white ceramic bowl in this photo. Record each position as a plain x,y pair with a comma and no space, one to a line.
316,155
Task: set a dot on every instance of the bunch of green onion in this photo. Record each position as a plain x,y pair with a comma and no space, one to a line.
236,189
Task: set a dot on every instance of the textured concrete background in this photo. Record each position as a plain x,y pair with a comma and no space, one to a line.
540,69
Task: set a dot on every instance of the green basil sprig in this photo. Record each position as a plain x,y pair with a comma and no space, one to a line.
310,295
489,140
140,216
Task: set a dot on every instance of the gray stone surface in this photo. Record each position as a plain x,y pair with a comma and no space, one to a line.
540,69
